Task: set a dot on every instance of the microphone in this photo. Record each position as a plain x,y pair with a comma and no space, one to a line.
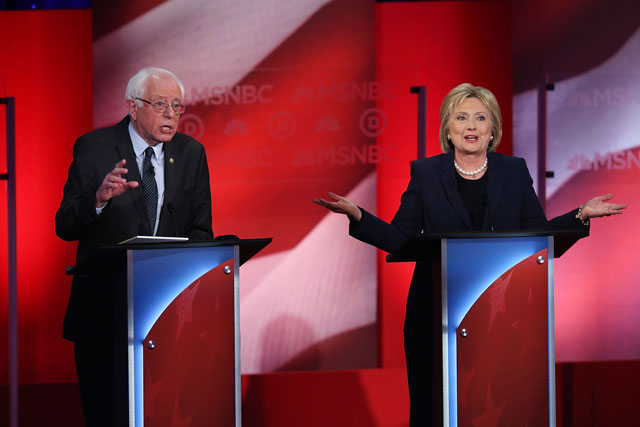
488,210
152,170
173,217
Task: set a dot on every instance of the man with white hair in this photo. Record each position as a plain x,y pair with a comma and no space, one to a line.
139,177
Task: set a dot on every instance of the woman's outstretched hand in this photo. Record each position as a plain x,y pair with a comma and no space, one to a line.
340,205
598,207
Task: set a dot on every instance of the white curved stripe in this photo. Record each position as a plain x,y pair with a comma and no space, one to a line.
324,286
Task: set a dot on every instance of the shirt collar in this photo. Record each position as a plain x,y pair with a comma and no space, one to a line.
139,144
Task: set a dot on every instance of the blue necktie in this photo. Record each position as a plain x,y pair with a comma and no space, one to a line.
150,188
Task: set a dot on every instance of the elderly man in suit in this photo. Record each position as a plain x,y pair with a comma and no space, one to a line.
139,177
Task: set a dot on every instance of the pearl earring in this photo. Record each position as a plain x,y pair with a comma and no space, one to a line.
449,137
491,138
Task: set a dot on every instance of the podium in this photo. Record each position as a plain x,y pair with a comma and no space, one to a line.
495,347
176,330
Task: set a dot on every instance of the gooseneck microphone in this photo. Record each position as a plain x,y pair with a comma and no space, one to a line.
173,217
488,211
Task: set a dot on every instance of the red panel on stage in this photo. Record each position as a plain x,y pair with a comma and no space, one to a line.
438,45
503,361
189,375
46,66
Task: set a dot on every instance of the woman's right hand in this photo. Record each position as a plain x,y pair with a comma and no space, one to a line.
340,205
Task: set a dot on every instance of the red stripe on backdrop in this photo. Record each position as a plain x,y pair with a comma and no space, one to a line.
46,66
438,45
112,14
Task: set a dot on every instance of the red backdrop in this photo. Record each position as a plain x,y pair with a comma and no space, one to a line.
414,46
46,66
430,44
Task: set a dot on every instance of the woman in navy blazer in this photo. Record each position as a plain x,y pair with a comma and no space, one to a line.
469,187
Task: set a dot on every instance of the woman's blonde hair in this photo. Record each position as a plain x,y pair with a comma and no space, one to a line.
455,97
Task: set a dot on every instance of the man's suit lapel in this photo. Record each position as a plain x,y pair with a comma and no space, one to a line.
125,151
448,178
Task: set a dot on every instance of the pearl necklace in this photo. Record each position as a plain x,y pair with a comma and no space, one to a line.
472,173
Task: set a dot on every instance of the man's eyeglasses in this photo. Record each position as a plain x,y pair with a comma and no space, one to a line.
161,106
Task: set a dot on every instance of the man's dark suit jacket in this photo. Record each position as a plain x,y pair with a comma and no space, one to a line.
186,211
432,204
